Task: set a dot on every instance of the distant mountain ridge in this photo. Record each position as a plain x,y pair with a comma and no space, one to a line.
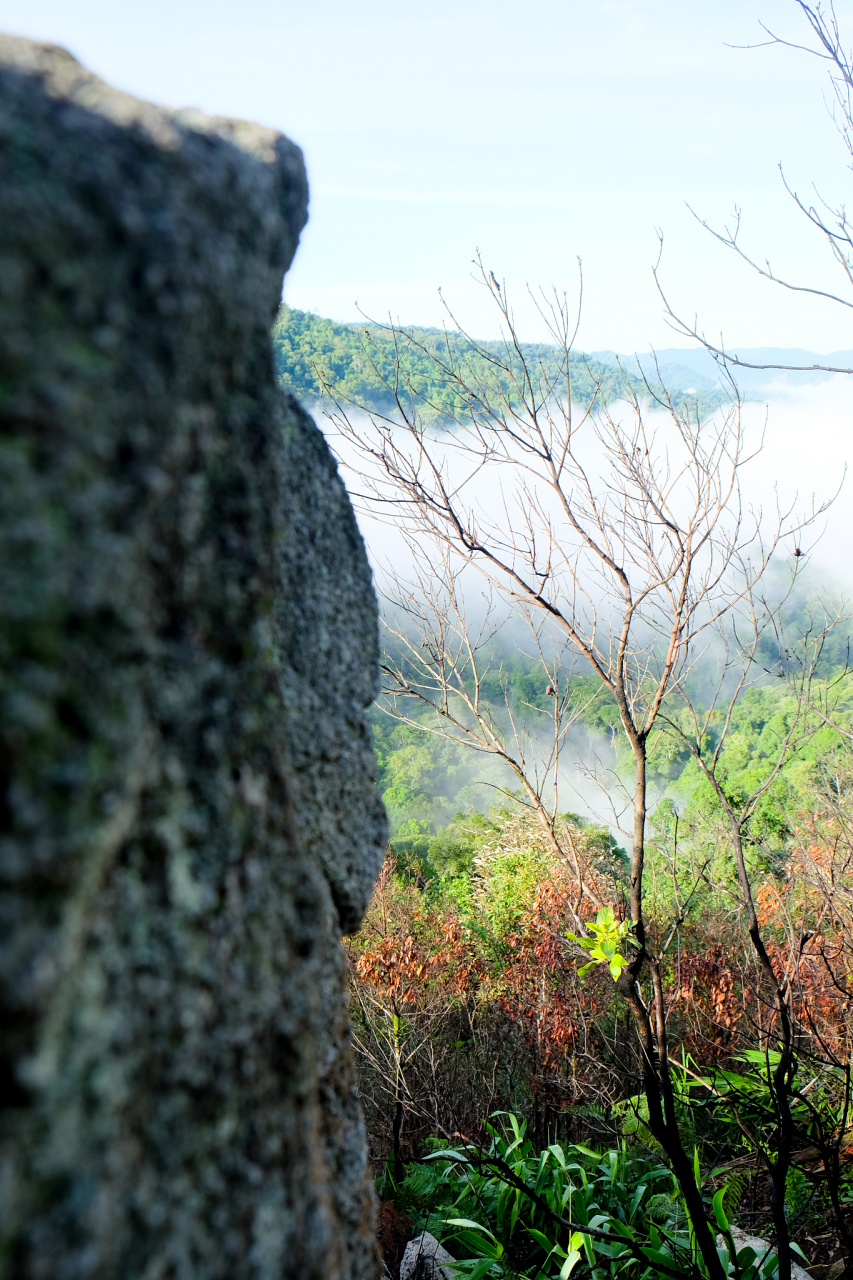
684,367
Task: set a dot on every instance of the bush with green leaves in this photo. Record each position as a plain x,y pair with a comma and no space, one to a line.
509,1210
606,935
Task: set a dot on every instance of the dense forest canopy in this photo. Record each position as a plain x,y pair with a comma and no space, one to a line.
317,358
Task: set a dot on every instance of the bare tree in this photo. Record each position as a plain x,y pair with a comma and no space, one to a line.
437,661
620,535
814,697
829,221
705,732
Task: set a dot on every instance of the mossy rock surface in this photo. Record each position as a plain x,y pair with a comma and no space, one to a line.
187,643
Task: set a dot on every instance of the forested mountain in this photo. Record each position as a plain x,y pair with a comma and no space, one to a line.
363,363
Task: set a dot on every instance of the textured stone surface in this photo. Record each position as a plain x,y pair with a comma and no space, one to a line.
762,1250
426,1259
187,642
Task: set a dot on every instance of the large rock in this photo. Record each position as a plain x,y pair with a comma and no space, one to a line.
426,1259
187,643
762,1249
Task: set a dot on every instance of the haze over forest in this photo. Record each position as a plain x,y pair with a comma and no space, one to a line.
318,359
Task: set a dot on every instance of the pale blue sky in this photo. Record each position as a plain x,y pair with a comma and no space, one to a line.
537,133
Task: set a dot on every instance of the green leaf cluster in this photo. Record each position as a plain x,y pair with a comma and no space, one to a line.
607,934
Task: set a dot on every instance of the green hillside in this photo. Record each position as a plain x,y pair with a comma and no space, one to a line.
364,365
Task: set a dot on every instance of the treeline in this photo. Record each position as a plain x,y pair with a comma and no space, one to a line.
369,365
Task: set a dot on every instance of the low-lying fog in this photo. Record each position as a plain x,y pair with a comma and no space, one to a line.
808,443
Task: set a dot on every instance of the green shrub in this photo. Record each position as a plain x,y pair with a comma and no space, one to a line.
509,1210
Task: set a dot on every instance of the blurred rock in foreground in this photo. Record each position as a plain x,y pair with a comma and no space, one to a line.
187,643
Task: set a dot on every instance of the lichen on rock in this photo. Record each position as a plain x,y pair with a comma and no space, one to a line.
187,644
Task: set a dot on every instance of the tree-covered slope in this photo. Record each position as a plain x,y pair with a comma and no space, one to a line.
367,364
427,780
